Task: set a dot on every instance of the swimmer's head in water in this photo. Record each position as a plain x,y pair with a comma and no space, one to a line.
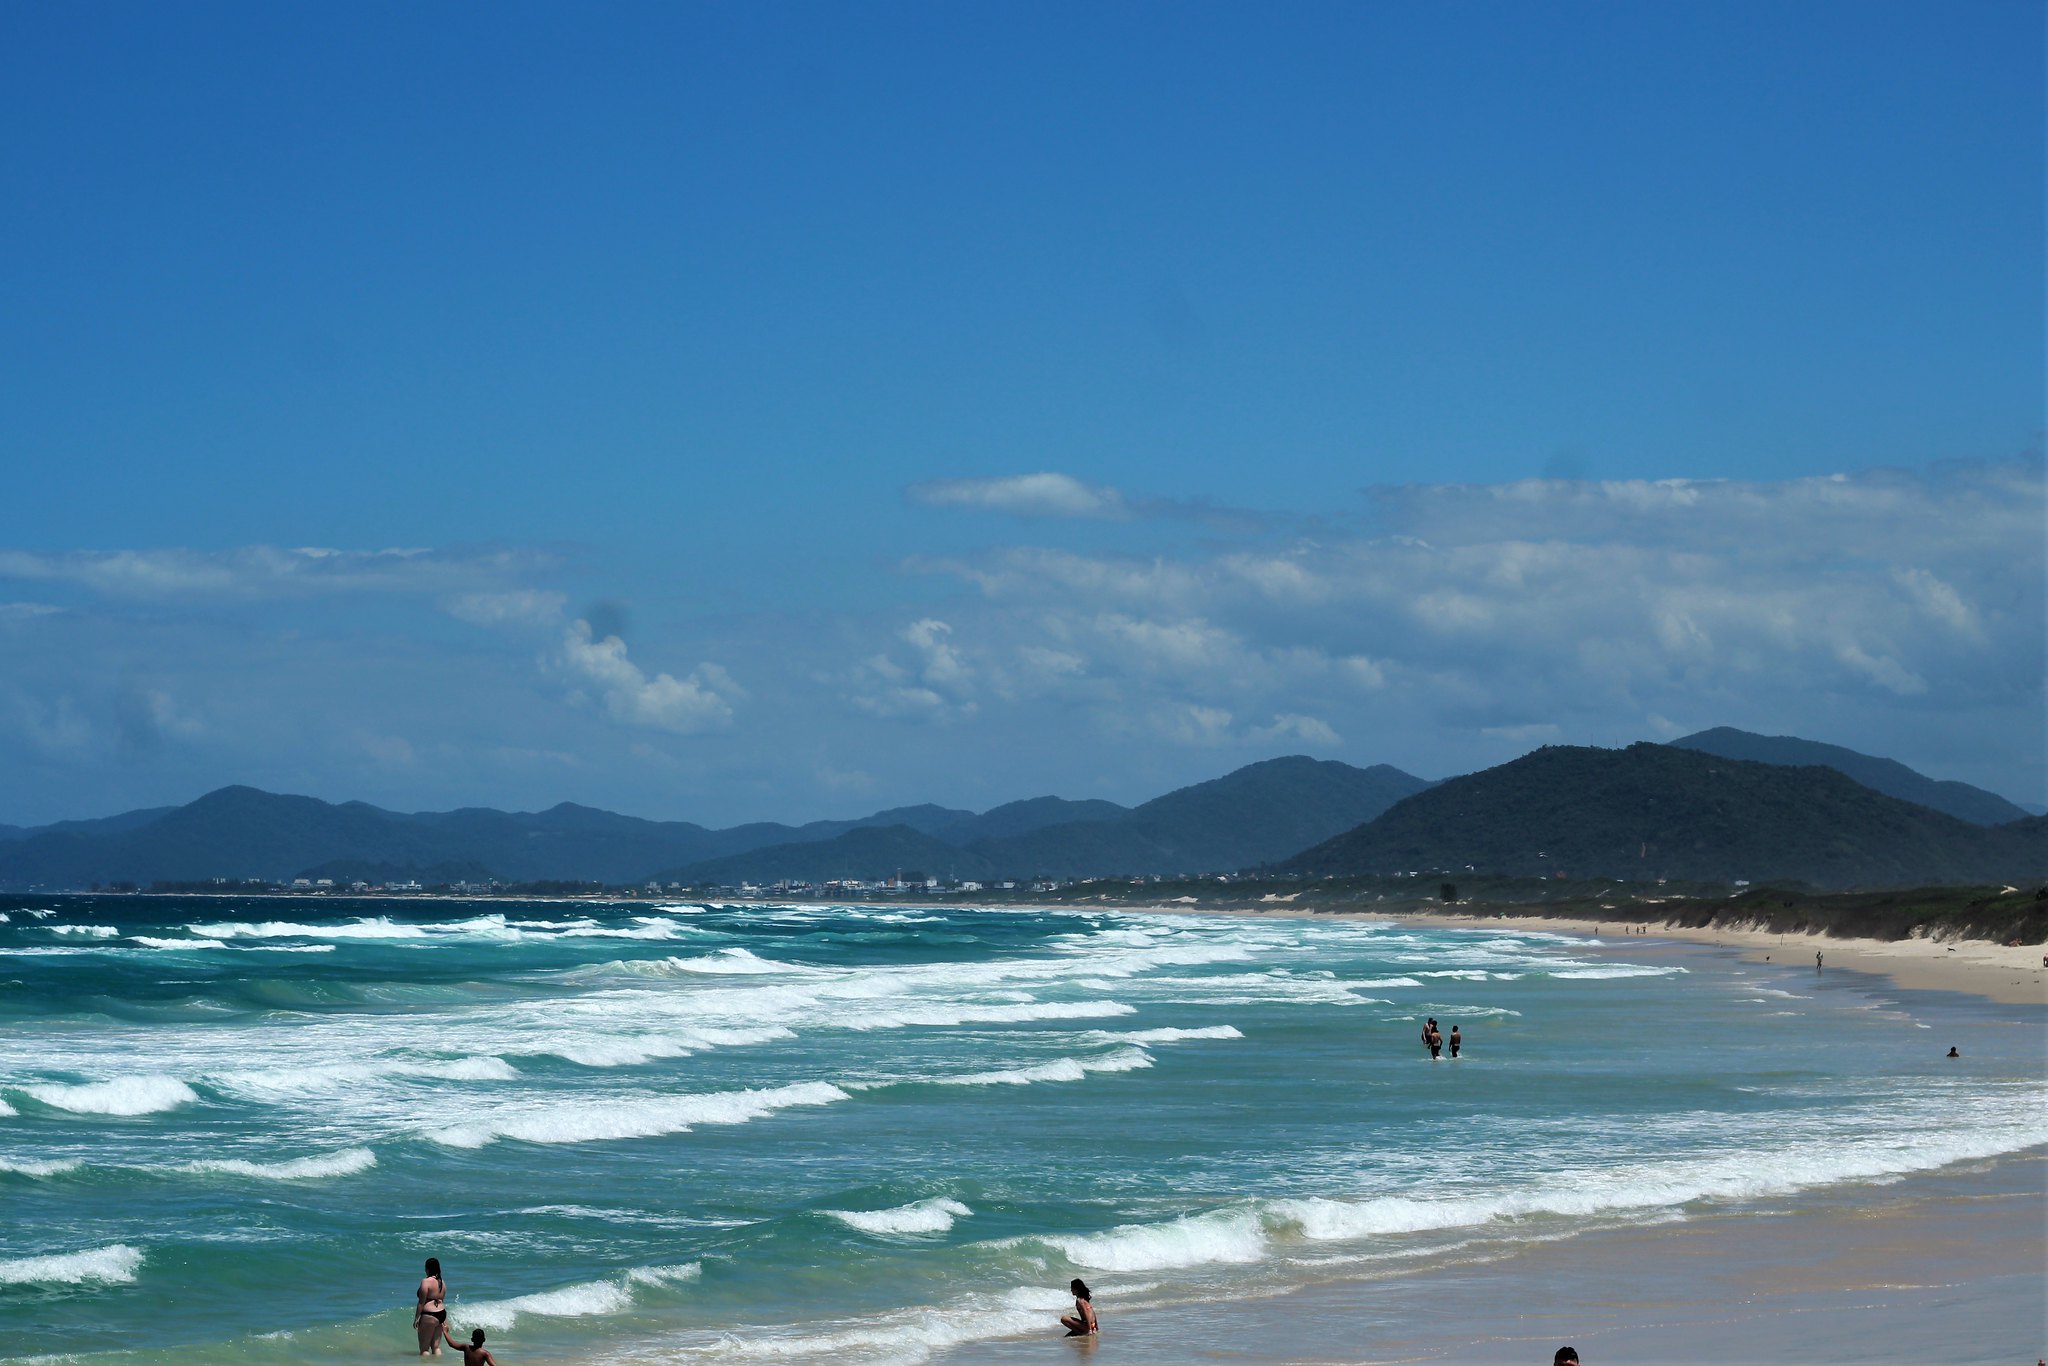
433,1266
1566,1356
476,1339
1080,1289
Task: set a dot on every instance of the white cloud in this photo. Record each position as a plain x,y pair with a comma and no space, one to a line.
699,701
935,685
1597,606
1046,494
521,607
15,613
263,571
1291,726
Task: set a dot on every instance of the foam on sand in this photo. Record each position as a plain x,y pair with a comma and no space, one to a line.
113,1264
347,1162
121,1096
923,1216
645,1116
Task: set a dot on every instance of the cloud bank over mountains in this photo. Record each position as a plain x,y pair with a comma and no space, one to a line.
1438,627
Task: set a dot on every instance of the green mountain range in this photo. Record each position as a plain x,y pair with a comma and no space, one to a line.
1888,776
1657,811
1829,816
1262,812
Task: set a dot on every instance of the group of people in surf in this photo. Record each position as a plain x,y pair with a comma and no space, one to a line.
1433,1040
430,1321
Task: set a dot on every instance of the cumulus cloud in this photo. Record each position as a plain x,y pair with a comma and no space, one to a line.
699,701
930,682
1046,494
1546,609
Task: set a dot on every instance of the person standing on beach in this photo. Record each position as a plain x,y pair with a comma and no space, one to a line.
1455,1041
430,1312
1081,1323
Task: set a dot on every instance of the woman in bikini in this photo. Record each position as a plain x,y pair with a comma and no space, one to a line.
430,1315
1081,1323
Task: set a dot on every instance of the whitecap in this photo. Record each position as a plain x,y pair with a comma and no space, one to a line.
643,1116
121,1096
347,1162
32,1166
1059,1069
576,1301
923,1216
91,931
1146,1036
151,942
110,1265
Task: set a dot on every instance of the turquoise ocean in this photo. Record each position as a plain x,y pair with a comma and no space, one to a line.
688,1132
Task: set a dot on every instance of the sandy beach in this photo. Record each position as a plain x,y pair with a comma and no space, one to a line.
1996,972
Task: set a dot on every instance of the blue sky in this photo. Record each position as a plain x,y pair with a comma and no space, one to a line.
733,333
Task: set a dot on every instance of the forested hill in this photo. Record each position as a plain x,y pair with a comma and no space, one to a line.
1653,811
1257,814
1888,776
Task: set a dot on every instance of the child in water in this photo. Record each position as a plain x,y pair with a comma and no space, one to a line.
473,1353
1456,1041
1081,1322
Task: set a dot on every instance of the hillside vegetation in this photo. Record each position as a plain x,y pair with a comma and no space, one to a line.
1653,811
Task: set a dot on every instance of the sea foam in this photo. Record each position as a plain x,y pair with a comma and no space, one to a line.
347,1162
576,1301
634,1117
922,1216
121,1096
113,1264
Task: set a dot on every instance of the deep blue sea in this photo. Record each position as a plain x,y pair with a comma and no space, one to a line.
233,1128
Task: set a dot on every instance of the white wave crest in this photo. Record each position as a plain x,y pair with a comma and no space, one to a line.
1230,1237
922,1216
736,962
575,1301
347,1162
1612,971
33,1166
470,1069
1146,1036
1059,1069
90,931
642,1117
121,1096
152,942
110,1265
381,927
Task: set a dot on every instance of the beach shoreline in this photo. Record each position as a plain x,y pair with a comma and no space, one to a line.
1941,1266
2004,974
